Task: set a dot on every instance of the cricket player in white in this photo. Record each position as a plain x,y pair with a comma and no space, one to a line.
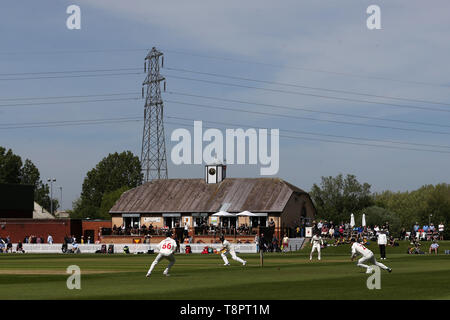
367,256
166,249
228,248
316,242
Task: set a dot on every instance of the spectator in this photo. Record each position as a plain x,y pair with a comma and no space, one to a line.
403,234
38,240
75,248
434,247
186,230
8,246
50,239
324,231
416,227
432,228
441,231
19,247
425,228
319,225
262,243
285,243
275,247
331,232
376,229
271,223
392,242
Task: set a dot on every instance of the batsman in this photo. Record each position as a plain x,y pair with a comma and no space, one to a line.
228,248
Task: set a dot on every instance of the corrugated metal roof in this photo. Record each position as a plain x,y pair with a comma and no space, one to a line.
195,195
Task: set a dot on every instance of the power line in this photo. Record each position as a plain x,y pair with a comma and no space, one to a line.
322,134
71,97
233,60
68,71
306,87
344,142
73,76
311,69
68,123
306,118
310,94
66,102
304,109
64,123
296,108
76,51
227,109
221,76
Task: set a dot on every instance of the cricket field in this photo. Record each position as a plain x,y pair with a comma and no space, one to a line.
287,276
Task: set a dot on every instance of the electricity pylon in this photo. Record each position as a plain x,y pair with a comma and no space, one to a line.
153,154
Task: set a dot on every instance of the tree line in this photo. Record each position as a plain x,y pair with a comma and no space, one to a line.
337,197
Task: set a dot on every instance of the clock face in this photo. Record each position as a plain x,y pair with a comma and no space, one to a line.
212,171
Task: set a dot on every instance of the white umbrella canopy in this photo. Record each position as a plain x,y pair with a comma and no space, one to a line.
352,220
246,214
363,220
223,214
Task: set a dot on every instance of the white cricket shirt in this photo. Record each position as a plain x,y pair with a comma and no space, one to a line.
167,246
360,249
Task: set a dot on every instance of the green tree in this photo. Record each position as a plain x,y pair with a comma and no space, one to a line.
337,198
428,203
379,216
111,173
109,199
10,166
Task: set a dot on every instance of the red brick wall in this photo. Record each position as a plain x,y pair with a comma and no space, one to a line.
95,225
17,229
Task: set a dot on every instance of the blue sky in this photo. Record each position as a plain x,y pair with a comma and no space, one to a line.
300,37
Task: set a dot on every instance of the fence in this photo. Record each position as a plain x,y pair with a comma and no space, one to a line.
134,248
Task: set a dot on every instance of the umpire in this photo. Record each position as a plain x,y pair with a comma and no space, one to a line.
382,241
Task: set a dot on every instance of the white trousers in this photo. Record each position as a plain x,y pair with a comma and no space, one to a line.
233,256
370,259
314,248
160,256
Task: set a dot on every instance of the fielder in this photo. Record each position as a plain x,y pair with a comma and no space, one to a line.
316,242
367,256
166,250
228,248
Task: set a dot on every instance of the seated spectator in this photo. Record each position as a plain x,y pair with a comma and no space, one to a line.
19,247
434,247
75,248
9,247
324,231
331,232
403,234
392,242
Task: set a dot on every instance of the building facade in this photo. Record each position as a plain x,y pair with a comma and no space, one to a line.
172,203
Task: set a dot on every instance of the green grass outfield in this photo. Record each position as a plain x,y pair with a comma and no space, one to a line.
196,277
